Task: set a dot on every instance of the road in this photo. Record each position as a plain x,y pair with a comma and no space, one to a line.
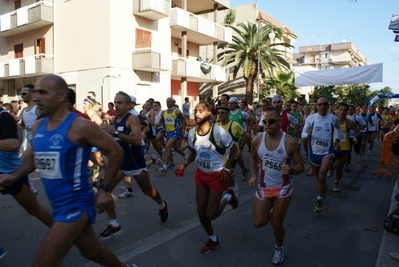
347,233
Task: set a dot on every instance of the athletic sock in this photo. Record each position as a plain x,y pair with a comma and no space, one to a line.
227,196
213,237
114,223
161,206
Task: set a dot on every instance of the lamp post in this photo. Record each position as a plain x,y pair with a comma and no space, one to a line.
257,73
272,35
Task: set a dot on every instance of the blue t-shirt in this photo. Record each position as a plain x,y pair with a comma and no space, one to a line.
9,160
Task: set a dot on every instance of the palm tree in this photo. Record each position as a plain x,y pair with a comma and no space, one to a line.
284,84
242,53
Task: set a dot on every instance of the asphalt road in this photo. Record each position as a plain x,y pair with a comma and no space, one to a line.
347,233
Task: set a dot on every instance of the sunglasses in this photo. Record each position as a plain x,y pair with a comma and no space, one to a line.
270,122
322,104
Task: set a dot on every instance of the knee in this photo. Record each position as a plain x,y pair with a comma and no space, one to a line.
90,253
277,225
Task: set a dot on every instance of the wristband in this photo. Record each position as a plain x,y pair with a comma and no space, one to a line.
228,170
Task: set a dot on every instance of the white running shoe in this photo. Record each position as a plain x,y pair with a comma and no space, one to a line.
125,194
278,257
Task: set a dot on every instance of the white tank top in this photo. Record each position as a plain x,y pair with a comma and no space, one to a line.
29,117
271,161
158,118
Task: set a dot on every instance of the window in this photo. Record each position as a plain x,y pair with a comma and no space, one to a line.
17,4
40,46
18,50
143,39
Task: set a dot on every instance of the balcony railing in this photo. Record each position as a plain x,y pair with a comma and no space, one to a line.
151,9
198,71
151,61
27,66
199,30
27,18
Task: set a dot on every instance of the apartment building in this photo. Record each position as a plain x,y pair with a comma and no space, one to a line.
106,46
246,13
327,56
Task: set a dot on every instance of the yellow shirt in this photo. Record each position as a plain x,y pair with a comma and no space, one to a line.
236,130
170,120
386,121
344,143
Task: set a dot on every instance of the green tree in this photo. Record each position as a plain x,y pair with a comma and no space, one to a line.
284,84
323,91
356,94
242,53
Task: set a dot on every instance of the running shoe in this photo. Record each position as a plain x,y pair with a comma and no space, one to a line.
233,202
368,153
126,194
319,206
35,192
3,252
210,244
157,159
336,187
164,213
171,166
330,173
348,168
278,257
245,174
110,231
161,170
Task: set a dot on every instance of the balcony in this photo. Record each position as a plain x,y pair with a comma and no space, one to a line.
40,64
196,71
199,30
151,9
151,61
27,18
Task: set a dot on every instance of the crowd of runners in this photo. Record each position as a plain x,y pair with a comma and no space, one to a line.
72,152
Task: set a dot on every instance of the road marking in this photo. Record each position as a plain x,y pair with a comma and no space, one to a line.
143,245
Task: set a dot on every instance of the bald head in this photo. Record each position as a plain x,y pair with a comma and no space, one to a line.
56,82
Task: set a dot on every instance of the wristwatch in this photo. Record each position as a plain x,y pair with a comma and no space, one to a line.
106,187
116,133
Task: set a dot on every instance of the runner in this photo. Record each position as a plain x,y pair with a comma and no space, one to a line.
346,126
62,163
319,128
172,132
274,149
361,125
127,132
213,149
372,128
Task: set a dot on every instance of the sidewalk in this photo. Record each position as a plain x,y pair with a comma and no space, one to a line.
389,241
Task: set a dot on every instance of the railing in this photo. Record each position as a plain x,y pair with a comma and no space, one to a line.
29,65
387,157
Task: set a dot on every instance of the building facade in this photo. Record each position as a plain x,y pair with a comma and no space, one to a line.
107,46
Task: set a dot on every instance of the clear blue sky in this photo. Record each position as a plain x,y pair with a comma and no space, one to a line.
364,23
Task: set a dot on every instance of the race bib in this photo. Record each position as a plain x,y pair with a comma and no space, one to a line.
322,143
271,165
205,162
48,164
169,120
342,137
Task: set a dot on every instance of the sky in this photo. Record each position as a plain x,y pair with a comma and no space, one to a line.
362,22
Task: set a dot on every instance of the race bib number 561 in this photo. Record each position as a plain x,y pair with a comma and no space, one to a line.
48,164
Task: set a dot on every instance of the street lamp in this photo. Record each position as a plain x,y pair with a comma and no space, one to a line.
257,73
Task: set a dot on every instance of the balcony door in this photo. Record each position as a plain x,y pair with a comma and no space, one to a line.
40,47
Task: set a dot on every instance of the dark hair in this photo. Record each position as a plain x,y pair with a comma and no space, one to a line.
226,95
157,102
8,106
186,98
71,96
91,92
110,103
30,86
343,104
208,107
125,96
351,105
244,102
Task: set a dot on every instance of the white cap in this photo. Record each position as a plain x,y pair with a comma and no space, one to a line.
133,99
233,100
